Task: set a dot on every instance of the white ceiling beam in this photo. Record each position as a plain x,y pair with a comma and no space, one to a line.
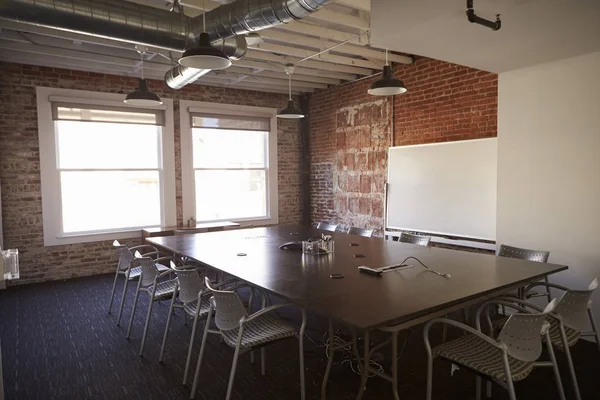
297,80
333,17
310,28
363,5
266,56
281,81
279,67
231,83
282,75
322,44
301,53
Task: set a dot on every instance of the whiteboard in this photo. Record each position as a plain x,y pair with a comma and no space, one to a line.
444,188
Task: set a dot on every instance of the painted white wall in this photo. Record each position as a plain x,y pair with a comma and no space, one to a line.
549,164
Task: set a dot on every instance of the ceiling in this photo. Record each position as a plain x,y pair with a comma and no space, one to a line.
533,31
261,69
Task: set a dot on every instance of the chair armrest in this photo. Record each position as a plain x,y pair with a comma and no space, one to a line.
263,311
142,246
547,285
161,260
510,302
151,254
466,328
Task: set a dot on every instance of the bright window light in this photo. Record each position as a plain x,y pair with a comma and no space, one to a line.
231,173
109,175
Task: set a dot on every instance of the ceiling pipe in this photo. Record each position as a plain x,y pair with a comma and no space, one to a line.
473,18
152,27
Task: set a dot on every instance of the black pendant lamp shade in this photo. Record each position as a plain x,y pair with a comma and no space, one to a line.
290,112
205,56
387,85
142,96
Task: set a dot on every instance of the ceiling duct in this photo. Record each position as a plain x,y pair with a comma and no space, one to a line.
152,27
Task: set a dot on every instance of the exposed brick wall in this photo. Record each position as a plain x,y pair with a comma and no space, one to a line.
20,165
352,130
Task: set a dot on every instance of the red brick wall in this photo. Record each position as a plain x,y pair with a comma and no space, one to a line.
20,165
351,131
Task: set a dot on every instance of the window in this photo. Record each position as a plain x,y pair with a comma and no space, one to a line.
104,169
229,157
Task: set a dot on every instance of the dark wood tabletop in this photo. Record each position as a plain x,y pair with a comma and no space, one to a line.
359,300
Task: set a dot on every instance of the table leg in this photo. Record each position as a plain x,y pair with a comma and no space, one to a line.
330,353
365,368
395,364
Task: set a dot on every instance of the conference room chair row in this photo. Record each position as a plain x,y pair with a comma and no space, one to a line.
513,342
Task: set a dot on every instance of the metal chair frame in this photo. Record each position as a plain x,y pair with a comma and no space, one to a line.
360,231
126,255
508,343
225,322
148,282
327,227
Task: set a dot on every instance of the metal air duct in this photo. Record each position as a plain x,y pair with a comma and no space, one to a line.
152,27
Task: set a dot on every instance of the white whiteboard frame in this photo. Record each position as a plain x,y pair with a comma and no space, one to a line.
461,240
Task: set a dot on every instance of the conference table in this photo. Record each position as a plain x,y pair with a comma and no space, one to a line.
393,301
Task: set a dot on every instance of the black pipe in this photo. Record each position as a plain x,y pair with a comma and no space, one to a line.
473,18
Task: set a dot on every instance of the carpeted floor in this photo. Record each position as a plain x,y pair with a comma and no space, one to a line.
58,342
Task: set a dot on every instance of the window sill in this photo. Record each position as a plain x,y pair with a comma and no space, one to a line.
91,237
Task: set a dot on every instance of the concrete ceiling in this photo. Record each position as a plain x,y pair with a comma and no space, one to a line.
533,31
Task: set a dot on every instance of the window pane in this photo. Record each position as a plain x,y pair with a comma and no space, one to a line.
102,200
230,194
222,148
83,145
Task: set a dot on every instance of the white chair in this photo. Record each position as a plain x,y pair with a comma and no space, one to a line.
247,332
194,301
150,284
126,255
414,239
508,358
529,255
327,227
569,320
360,232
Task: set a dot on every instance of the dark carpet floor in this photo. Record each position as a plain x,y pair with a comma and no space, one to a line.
58,342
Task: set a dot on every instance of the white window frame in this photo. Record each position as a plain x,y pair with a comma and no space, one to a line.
50,176
188,184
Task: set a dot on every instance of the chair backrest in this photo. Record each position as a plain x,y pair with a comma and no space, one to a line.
149,269
228,306
360,232
327,227
414,239
521,334
573,307
125,256
190,284
523,254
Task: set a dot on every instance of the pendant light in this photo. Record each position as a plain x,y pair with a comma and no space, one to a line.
142,96
387,85
205,56
290,112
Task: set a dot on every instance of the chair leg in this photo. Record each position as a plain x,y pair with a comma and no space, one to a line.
146,325
112,294
135,300
252,356
429,374
164,341
330,354
123,299
234,364
488,389
190,347
262,361
509,381
301,355
548,294
365,368
477,387
594,327
559,386
395,365
570,362
199,363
